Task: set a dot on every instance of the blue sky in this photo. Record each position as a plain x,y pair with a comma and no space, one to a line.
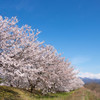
71,26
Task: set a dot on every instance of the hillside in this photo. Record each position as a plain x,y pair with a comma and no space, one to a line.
9,93
89,80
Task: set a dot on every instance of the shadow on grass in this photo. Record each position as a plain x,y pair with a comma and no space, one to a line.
10,93
7,93
51,95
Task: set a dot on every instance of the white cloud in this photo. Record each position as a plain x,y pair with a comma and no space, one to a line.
89,75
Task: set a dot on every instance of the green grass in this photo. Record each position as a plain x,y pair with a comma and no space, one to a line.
9,93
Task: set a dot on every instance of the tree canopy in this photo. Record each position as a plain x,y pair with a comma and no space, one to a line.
28,63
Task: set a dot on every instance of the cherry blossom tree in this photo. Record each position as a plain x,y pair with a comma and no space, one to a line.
27,63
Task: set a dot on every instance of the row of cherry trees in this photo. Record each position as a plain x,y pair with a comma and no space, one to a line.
28,63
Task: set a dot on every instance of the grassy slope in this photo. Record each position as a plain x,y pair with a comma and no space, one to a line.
8,93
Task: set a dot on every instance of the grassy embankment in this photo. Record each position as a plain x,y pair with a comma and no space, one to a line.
94,87
9,93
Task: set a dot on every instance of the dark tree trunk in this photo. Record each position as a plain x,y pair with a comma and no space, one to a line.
32,88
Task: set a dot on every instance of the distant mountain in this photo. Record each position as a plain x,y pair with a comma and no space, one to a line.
90,80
